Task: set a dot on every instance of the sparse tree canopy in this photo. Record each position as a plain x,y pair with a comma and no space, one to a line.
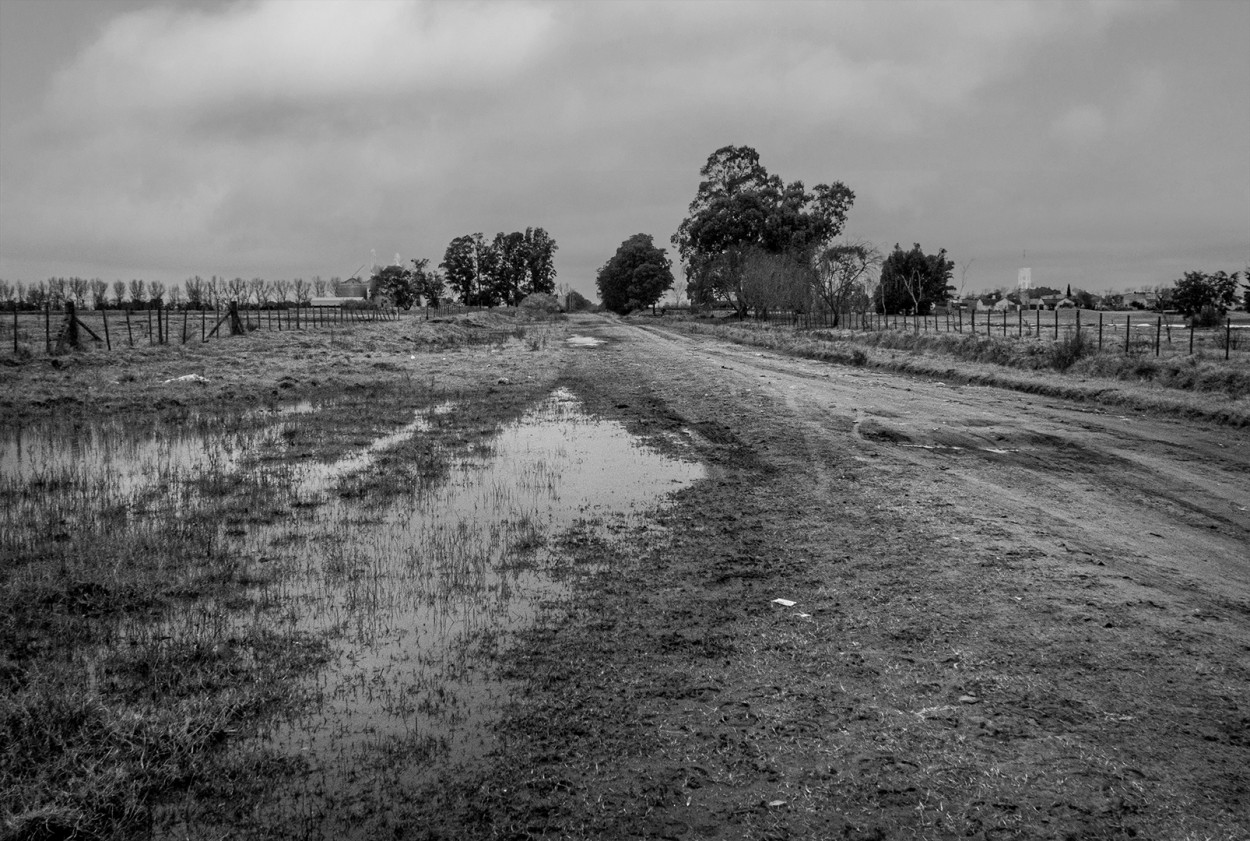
741,208
843,273
912,281
636,277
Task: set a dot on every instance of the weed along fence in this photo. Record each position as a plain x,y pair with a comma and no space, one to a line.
56,330
1130,333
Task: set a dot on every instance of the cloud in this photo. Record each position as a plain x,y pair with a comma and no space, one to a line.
279,135
1080,126
165,62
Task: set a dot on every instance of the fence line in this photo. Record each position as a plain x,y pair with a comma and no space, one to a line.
64,328
1157,330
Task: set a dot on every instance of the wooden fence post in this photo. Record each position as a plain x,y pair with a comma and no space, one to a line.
1228,337
1056,323
1128,330
1158,333
15,328
130,336
47,327
69,330
1100,331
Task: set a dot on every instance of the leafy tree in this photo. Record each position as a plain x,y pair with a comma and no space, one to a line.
636,276
462,263
395,284
503,271
427,283
1083,299
912,281
540,251
1203,297
509,273
740,208
37,294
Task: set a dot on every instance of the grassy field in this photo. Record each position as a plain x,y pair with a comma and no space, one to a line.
157,505
224,565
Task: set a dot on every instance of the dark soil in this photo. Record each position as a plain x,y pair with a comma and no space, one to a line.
984,643
1014,616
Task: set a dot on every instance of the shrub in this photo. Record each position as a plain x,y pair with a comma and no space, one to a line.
1068,350
540,302
1207,316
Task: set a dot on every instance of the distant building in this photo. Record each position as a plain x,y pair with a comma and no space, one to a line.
353,287
1139,300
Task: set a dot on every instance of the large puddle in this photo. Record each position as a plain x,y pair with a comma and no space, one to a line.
416,592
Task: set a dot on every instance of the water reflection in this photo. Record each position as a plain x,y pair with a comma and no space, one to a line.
441,573
417,589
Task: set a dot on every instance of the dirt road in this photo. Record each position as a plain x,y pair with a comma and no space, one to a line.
1012,617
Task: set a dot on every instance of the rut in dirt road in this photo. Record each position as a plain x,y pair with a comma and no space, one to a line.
979,636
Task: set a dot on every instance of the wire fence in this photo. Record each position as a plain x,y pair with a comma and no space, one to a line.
53,330
1140,333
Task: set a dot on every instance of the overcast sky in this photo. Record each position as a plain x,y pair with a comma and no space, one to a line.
1106,145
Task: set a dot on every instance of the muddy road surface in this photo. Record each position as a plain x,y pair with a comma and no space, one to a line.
897,608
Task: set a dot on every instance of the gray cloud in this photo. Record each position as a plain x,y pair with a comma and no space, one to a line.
287,139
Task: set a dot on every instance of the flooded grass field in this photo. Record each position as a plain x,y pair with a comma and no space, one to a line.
320,619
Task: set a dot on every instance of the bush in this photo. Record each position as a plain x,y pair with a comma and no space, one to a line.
1207,316
1069,350
540,302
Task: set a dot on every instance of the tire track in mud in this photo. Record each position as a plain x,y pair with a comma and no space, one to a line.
1109,485
955,664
